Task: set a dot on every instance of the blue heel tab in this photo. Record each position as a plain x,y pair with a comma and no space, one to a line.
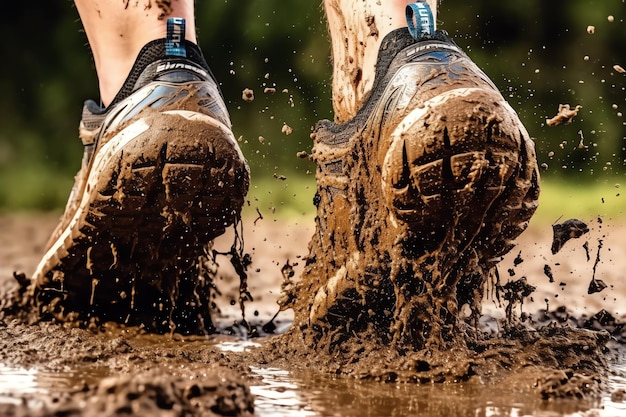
175,38
419,18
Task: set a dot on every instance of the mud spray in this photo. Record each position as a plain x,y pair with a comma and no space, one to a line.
380,298
383,299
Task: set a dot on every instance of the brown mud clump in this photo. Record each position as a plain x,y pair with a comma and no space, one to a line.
564,116
563,232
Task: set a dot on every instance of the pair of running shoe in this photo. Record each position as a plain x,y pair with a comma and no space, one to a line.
162,176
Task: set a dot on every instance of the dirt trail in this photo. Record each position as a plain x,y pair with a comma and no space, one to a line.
162,375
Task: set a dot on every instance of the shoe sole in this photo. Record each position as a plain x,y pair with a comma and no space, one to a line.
460,162
154,199
455,158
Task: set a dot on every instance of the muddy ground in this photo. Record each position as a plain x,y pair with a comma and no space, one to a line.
120,371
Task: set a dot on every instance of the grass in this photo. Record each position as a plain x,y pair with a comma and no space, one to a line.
584,200
35,189
291,198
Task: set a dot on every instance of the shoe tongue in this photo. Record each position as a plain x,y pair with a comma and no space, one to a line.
174,47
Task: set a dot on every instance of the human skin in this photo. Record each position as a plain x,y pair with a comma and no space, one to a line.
117,30
357,29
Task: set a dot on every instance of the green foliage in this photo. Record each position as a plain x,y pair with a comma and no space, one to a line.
533,50
540,55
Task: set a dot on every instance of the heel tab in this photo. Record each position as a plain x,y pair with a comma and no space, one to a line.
175,38
420,20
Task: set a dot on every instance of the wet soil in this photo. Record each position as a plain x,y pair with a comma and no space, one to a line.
558,353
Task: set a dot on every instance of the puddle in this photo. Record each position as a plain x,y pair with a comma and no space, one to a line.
282,393
286,394
20,385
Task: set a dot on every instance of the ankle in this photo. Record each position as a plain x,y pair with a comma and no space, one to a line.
118,30
111,77
356,37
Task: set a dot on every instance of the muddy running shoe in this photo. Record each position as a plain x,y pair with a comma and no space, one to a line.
418,195
162,176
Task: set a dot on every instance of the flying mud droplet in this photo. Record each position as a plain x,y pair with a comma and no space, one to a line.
514,292
269,90
586,248
565,115
280,177
610,18
570,229
591,29
596,285
247,95
547,270
288,287
302,155
581,143
286,129
261,139
619,69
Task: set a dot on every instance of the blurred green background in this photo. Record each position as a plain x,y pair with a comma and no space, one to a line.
538,52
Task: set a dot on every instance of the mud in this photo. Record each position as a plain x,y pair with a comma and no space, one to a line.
126,371
562,232
565,115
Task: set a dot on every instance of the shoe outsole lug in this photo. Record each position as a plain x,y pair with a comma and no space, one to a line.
153,207
429,187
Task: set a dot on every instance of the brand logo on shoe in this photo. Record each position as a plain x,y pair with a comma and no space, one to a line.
420,21
181,65
175,36
427,47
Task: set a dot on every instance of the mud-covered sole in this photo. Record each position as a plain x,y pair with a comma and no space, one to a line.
463,159
455,175
159,191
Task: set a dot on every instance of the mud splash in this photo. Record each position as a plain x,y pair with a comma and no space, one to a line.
557,355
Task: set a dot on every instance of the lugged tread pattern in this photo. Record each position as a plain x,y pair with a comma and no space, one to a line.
418,196
134,254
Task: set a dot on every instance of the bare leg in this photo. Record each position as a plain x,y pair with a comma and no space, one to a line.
117,30
160,164
356,30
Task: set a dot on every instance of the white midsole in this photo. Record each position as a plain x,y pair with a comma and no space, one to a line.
109,149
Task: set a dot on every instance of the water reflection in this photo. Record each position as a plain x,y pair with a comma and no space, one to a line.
278,395
15,381
21,386
20,381
284,394
281,393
